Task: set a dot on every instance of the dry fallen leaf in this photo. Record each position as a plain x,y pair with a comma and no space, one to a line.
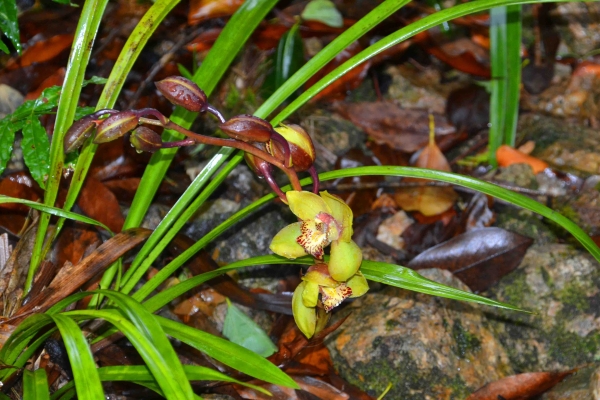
519,387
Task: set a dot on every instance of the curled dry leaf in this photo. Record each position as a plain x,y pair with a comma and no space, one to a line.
479,257
519,387
429,200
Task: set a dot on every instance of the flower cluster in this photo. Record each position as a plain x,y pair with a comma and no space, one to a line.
324,220
288,148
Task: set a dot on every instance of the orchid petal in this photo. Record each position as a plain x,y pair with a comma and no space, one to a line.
333,297
345,260
284,243
358,284
341,212
310,294
306,205
305,317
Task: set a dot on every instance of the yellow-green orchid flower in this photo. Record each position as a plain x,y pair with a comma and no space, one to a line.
325,220
306,307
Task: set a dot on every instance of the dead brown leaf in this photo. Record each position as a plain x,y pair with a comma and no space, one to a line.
201,10
99,203
519,387
403,129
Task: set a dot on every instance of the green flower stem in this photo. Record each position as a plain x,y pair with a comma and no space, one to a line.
87,28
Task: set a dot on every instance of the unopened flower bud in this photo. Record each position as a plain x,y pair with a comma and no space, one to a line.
258,165
78,133
145,139
116,126
184,93
301,147
248,128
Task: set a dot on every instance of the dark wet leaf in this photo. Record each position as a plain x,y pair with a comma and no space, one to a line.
519,387
36,150
479,257
468,108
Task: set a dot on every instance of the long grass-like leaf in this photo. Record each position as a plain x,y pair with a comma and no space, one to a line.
456,179
35,385
513,73
228,353
87,28
228,44
53,211
144,321
149,353
389,274
85,373
498,54
141,373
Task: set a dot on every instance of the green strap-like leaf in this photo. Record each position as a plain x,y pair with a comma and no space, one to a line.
53,211
35,385
141,373
85,373
87,28
149,353
228,353
145,322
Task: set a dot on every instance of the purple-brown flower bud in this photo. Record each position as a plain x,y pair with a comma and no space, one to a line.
78,133
248,128
145,139
301,147
183,92
116,126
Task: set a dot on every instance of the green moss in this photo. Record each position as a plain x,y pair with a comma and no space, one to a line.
465,341
574,296
391,324
570,349
516,288
409,382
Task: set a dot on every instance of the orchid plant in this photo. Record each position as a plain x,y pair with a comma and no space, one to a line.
324,218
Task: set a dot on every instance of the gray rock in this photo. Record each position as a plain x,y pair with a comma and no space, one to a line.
559,284
526,223
427,347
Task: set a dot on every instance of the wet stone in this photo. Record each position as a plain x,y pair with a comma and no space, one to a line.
582,385
526,223
559,284
427,347
566,146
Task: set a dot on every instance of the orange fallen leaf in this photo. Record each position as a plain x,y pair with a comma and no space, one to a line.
506,156
41,51
201,10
